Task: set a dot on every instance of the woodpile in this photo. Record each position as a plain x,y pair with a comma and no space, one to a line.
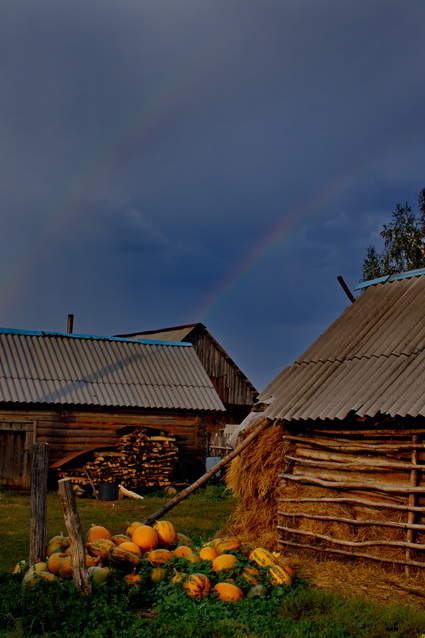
140,462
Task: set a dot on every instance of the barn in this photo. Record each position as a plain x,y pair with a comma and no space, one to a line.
235,390
339,472
82,392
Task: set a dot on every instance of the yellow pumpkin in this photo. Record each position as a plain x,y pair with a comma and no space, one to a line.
251,575
121,538
132,547
279,576
65,567
56,543
262,557
145,537
100,547
197,586
193,557
224,561
158,574
53,564
31,578
228,591
167,534
122,558
131,527
133,579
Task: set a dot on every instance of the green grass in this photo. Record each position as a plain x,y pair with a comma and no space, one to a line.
56,610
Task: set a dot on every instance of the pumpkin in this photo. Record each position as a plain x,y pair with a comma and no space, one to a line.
65,567
159,556
197,586
167,535
21,567
257,591
279,576
178,577
53,564
145,537
38,567
91,561
182,550
31,578
96,532
131,527
262,557
182,539
122,558
131,546
227,545
97,575
158,574
251,575
57,543
100,547
208,553
228,591
133,579
193,557
121,538
224,561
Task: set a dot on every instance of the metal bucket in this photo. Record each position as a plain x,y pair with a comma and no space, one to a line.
108,491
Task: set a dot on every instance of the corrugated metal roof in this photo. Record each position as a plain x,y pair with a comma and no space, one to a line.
172,334
55,368
370,361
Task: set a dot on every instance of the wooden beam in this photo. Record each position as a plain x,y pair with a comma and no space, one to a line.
38,526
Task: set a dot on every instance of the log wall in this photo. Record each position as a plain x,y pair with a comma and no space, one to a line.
359,492
69,431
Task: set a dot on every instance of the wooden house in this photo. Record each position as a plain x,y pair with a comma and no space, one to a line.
80,392
234,389
350,418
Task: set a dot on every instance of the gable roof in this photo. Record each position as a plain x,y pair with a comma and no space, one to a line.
370,361
70,369
186,333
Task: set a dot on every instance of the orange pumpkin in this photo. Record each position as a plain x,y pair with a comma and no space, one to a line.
193,557
158,574
182,550
197,586
159,556
131,527
208,553
132,547
121,538
227,545
56,543
251,575
65,567
122,558
133,579
97,531
228,591
224,561
100,547
145,537
53,564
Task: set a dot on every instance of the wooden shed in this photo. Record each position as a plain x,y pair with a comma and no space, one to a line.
79,392
347,420
234,389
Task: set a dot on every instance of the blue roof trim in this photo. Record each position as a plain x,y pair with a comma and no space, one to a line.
43,333
401,275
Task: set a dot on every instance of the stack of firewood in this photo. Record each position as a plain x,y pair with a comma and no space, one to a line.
140,462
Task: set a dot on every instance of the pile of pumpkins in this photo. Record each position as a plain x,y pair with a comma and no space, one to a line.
159,553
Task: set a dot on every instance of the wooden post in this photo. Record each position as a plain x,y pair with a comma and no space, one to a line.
204,478
38,526
73,526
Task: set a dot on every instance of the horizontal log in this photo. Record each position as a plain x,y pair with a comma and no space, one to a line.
348,447
396,561
353,501
337,541
348,460
345,485
375,432
353,521
360,465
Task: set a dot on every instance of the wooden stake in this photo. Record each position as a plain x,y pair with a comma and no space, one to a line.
40,463
73,525
205,477
414,477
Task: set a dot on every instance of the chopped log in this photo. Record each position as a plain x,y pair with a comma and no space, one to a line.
38,527
352,554
72,521
205,477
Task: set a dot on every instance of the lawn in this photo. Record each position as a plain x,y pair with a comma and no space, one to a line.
56,610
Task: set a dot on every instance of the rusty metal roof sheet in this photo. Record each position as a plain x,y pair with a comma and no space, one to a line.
67,369
370,361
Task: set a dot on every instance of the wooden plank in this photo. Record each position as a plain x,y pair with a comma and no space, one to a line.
38,526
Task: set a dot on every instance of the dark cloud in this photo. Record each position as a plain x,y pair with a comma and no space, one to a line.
149,149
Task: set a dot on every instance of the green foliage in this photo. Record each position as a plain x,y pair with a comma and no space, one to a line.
404,244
